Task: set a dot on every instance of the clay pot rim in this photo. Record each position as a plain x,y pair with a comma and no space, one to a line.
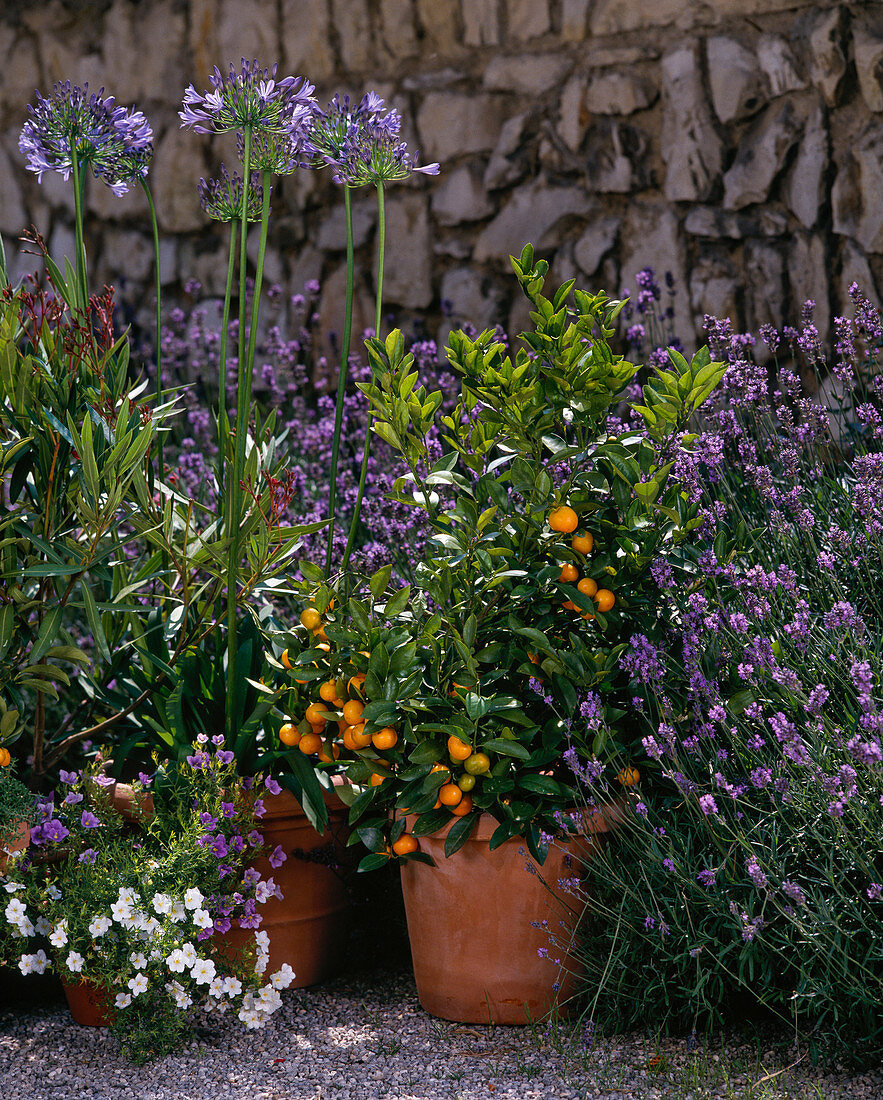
285,804
603,819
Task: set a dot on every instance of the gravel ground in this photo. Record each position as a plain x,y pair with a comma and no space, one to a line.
366,1038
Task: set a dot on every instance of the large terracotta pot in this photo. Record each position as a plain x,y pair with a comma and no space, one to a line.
308,927
475,950
16,843
90,1005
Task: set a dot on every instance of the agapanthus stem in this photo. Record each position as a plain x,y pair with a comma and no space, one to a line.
79,179
342,375
366,451
159,391
223,422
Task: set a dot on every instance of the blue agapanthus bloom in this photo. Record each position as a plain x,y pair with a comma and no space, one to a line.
361,143
252,99
222,198
116,142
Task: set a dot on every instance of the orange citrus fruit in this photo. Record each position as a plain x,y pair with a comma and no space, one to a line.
582,542
359,738
628,777
563,519
310,743
405,845
284,659
316,714
328,691
5,757
450,794
569,573
458,749
478,763
587,586
289,734
386,738
605,599
352,711
376,779
466,782
310,618
463,807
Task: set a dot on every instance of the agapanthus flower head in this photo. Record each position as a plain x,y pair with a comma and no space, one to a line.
222,198
250,98
117,142
361,143
272,152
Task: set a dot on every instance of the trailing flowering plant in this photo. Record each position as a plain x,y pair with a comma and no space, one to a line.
142,915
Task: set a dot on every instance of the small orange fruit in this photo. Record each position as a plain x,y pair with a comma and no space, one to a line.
569,605
328,691
284,659
359,738
324,756
289,734
628,777
310,743
463,807
385,739
376,779
582,542
450,794
310,618
605,599
478,763
352,711
569,573
316,714
405,845
587,586
5,757
563,519
457,749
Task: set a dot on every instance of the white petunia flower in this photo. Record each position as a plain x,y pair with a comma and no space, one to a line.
176,961
260,963
58,938
128,895
75,961
178,913
138,960
202,919
283,977
189,953
23,928
193,898
43,926
98,926
262,939
250,1018
138,984
182,1000
123,1000
53,892
216,989
33,964
120,910
15,911
203,971
232,987
162,904
269,999
12,887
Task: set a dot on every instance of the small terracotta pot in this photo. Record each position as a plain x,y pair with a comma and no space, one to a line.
89,1004
308,927
17,843
471,918
131,805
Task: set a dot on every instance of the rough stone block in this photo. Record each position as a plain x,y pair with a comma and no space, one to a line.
142,60
128,254
21,74
804,188
867,37
527,19
505,165
854,268
574,15
650,237
711,221
737,86
472,297
178,163
573,116
713,281
764,282
398,34
453,124
779,65
353,25
527,74
460,197
407,276
856,197
481,22
531,214
619,93
691,148
13,217
809,273
247,28
440,20
332,231
595,243
824,29
306,39
762,154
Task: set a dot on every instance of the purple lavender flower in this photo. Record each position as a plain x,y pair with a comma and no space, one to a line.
707,804
755,873
249,99
708,876
115,141
361,143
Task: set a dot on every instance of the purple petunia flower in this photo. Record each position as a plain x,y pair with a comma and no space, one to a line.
272,786
117,143
88,856
225,757
277,857
68,778
89,820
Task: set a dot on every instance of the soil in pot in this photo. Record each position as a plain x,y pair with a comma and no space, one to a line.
479,923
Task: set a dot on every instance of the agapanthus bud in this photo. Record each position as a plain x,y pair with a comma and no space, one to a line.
222,198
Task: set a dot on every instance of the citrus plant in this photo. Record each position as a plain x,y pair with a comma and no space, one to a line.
546,528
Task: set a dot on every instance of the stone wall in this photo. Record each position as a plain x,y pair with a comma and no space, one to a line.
735,143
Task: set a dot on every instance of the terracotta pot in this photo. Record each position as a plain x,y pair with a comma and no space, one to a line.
308,927
474,949
17,843
90,1005
131,805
